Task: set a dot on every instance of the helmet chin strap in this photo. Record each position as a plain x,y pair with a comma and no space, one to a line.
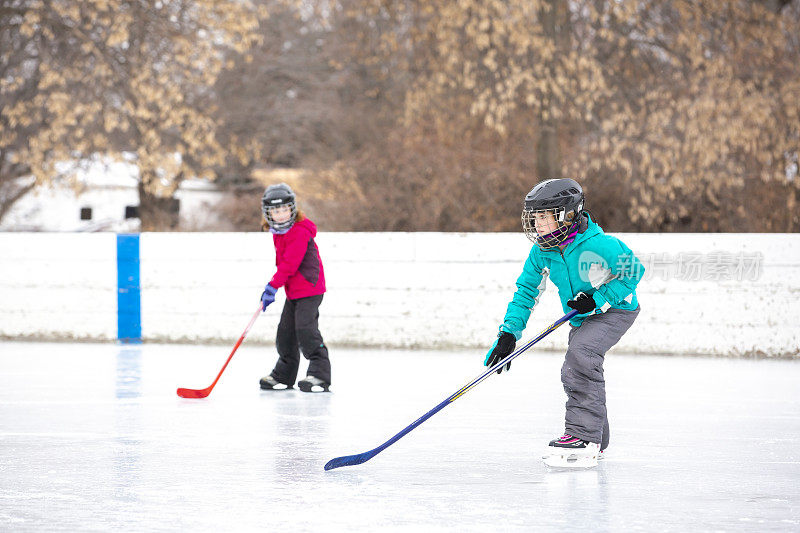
279,231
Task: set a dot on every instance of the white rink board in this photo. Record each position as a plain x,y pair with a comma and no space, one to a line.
421,290
58,286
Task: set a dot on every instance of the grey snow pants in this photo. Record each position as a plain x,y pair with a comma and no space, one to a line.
582,373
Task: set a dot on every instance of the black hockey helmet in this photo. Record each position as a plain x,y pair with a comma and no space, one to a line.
278,195
561,198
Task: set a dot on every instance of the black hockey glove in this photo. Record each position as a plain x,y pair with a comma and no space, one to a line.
583,303
503,346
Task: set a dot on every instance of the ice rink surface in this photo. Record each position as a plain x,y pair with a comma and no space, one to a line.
93,437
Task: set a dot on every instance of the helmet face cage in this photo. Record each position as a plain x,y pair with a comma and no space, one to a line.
565,223
268,206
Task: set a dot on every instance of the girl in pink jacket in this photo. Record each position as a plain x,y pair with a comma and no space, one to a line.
301,275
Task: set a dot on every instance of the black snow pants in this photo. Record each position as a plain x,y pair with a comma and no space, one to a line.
298,330
582,373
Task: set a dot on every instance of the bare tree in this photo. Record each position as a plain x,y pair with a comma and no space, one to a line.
669,111
114,76
703,125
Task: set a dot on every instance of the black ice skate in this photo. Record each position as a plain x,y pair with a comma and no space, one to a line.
312,384
569,451
270,383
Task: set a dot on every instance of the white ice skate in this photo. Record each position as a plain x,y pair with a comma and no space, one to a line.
270,383
312,384
571,452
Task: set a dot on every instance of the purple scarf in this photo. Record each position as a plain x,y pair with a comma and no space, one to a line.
571,236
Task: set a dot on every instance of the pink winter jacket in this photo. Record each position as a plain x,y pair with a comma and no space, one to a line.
298,261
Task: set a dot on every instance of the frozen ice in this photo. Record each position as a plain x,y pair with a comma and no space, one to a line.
93,437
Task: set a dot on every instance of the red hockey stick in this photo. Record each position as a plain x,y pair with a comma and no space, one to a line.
202,393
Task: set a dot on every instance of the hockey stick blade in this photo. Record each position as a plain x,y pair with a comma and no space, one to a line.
202,393
193,393
350,460
357,459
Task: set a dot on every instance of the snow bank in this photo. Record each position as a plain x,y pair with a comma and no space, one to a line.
718,294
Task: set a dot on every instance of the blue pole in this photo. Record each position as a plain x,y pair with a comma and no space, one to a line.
129,312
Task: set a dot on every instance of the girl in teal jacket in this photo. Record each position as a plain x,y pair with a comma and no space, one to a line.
595,274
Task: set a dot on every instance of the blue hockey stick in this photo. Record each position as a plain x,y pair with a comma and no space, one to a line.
350,460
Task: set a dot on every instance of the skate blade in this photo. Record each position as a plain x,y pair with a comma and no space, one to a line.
565,458
569,462
307,387
278,387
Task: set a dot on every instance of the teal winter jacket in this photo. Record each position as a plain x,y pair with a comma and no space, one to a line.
597,264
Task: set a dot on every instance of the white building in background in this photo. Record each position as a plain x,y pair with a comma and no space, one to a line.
104,197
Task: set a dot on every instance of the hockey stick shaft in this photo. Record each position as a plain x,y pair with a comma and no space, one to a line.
350,460
202,393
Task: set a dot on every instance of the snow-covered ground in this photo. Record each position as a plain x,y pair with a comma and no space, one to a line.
718,294
93,437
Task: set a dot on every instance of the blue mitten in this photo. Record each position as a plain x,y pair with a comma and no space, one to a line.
268,296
